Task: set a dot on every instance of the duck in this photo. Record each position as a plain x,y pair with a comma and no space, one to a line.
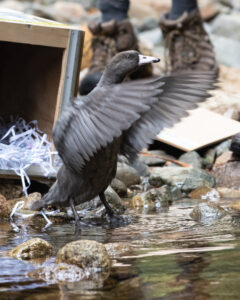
117,117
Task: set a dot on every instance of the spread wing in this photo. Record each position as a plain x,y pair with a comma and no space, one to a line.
180,93
95,120
139,108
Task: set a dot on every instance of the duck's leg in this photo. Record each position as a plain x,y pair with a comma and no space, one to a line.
78,221
108,208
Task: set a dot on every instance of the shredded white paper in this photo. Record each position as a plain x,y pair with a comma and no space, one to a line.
22,145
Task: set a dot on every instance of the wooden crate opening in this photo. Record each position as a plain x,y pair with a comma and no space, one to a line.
30,77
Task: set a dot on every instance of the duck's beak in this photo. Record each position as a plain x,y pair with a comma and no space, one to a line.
143,59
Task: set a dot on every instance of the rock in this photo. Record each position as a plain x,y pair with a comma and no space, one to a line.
28,200
228,193
148,23
209,11
70,12
117,249
226,50
206,212
192,158
154,161
84,254
114,200
199,192
175,193
235,144
31,249
127,174
226,172
119,187
4,208
186,178
10,189
223,147
223,159
231,31
209,158
235,206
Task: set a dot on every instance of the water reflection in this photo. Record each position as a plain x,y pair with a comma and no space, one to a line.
173,258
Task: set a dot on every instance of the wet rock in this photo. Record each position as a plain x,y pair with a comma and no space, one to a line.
145,199
4,208
154,161
231,31
119,187
192,158
114,200
28,201
10,189
223,147
117,249
12,4
127,174
175,193
199,192
84,254
140,167
31,249
228,193
187,179
151,38
235,206
235,144
205,212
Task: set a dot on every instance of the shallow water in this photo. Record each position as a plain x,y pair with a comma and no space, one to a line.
173,257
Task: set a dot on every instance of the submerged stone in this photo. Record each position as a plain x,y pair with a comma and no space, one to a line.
187,179
118,249
205,212
84,254
31,249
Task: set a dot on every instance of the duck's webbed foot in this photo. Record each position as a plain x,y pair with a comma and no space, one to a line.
112,217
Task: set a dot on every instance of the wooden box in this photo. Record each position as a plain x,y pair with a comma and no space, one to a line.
39,68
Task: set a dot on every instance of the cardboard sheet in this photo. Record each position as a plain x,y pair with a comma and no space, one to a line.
201,128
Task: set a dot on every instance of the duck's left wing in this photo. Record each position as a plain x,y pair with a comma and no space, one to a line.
180,93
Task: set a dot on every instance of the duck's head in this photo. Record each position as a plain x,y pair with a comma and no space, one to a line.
123,64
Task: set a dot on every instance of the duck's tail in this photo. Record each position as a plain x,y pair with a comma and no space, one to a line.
47,199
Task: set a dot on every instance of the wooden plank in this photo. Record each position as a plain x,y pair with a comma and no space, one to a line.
201,128
35,35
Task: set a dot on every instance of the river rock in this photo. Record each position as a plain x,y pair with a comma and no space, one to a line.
227,174
31,249
114,200
192,158
186,178
28,201
209,158
222,147
4,208
148,23
127,174
119,187
235,144
199,192
117,249
71,12
84,254
205,212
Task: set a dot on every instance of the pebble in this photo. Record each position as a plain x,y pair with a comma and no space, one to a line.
206,212
119,187
228,193
227,175
31,249
127,174
84,254
199,192
118,249
154,161
223,147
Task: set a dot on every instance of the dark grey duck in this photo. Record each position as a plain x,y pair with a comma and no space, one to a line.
116,117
